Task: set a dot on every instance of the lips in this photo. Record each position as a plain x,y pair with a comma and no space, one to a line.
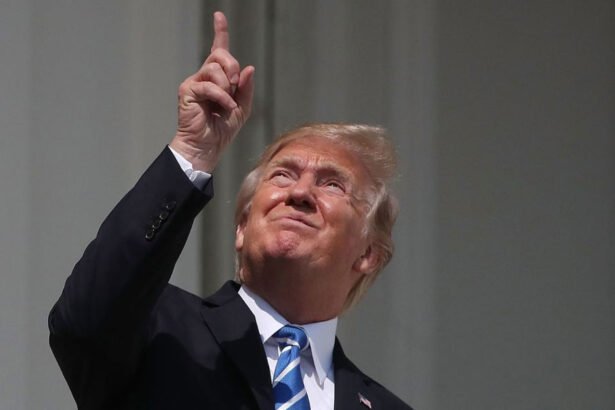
296,219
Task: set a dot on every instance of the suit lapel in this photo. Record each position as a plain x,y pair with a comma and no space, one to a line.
234,327
351,391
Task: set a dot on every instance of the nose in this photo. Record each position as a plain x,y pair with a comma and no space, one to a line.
301,193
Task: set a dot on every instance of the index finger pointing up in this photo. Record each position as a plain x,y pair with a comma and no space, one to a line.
220,32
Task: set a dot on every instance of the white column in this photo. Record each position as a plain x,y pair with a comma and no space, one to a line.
14,198
89,95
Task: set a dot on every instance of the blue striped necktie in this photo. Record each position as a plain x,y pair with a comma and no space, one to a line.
288,389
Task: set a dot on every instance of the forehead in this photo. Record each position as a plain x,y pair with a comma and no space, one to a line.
320,153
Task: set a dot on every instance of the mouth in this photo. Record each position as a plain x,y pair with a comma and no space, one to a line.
297,220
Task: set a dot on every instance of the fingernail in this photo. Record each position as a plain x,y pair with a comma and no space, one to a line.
235,78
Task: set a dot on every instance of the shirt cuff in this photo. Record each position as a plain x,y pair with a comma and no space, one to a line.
197,177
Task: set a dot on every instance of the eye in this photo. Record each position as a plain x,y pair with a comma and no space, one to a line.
280,177
334,186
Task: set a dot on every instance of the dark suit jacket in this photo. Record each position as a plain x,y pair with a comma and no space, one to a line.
126,339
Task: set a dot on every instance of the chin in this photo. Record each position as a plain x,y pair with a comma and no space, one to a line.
287,245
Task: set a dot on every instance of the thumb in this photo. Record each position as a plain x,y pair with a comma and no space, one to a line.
245,90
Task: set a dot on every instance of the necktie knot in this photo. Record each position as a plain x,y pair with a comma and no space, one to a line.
288,389
292,336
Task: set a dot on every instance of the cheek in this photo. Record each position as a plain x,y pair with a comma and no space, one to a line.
276,196
346,221
263,202
340,211
266,199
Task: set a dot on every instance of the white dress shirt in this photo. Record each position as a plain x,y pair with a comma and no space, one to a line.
198,178
317,360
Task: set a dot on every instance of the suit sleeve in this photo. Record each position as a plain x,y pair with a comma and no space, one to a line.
99,324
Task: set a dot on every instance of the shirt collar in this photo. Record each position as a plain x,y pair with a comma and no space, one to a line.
320,334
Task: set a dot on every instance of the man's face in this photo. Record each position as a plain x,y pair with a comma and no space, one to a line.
308,211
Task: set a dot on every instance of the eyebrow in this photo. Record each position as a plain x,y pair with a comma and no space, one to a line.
326,167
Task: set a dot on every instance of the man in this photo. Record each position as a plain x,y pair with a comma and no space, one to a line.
314,223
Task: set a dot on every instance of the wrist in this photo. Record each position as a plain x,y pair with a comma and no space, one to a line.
202,158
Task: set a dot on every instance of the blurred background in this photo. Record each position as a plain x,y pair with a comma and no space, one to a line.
500,295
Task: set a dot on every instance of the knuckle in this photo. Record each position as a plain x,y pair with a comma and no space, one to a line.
211,68
183,88
234,65
225,59
216,55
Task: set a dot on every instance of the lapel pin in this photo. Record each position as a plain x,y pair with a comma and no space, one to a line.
363,400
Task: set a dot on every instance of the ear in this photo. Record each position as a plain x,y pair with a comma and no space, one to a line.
366,263
239,237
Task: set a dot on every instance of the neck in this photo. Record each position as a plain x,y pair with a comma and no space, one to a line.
301,297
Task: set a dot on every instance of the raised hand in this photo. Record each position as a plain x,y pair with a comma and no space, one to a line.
213,103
